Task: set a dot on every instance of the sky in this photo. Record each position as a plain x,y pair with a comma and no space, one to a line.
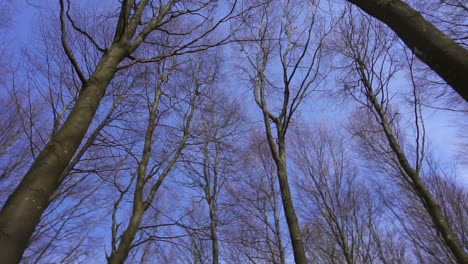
23,16
441,126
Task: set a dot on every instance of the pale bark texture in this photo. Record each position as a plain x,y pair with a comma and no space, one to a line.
442,54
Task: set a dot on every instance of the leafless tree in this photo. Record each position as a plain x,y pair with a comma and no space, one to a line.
341,214
453,199
153,169
115,119
42,88
257,227
136,25
284,35
367,48
212,156
432,46
426,245
13,153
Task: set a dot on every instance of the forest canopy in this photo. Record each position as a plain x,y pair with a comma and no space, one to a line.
234,131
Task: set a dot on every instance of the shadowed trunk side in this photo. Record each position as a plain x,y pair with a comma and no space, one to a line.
443,55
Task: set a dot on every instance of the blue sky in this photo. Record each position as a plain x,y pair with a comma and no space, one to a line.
440,126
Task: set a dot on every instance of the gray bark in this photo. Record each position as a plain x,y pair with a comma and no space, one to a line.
442,54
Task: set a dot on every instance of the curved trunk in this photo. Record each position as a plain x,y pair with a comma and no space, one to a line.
443,55
419,187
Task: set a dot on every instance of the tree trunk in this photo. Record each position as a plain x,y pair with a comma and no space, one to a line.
139,205
23,209
278,152
432,207
289,211
121,254
214,231
277,228
443,55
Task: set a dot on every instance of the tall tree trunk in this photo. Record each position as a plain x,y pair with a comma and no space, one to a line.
139,206
278,238
211,195
289,211
214,231
23,209
419,187
278,153
443,55
121,254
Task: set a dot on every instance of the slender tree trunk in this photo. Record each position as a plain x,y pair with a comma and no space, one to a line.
345,248
289,211
23,209
432,207
277,227
214,232
141,204
278,152
121,254
210,196
443,55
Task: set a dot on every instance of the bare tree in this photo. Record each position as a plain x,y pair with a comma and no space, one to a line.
152,170
341,215
284,35
426,244
211,159
453,199
12,156
135,25
257,228
64,232
367,48
441,53
41,93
